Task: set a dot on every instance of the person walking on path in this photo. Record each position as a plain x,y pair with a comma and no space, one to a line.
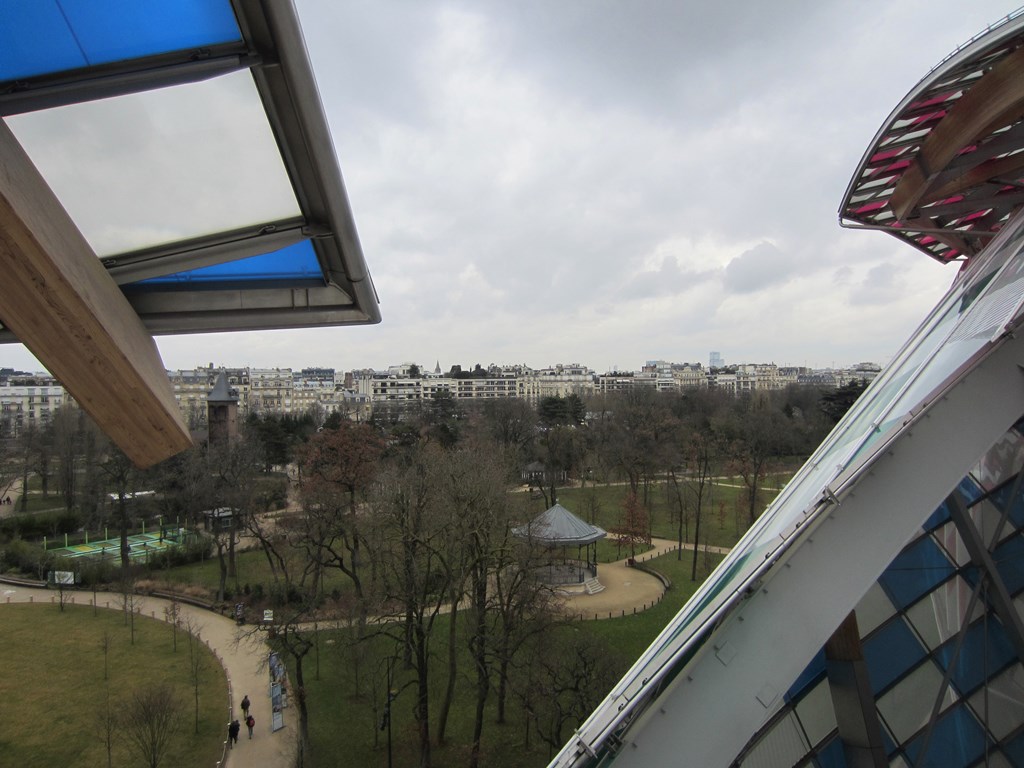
233,730
245,705
250,721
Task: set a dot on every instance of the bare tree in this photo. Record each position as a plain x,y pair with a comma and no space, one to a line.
172,613
66,443
196,660
120,473
130,600
470,485
411,538
568,674
105,641
107,716
702,453
150,721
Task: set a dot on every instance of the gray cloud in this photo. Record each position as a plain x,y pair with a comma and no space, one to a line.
759,268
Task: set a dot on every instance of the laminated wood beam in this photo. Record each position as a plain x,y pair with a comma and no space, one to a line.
60,302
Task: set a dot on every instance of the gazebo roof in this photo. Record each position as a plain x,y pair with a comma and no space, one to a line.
560,527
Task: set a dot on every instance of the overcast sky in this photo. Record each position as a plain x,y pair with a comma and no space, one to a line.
612,181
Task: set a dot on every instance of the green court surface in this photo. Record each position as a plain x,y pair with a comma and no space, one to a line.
141,546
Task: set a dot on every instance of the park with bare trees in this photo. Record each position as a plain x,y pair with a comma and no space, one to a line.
408,612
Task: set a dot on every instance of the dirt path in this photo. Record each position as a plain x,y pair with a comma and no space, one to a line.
626,590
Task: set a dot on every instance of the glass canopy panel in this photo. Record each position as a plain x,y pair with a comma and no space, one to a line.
156,167
287,265
39,37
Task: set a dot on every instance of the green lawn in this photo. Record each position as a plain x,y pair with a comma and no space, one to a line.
54,687
724,517
632,634
251,567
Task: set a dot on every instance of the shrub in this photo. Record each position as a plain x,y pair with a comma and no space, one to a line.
36,526
22,557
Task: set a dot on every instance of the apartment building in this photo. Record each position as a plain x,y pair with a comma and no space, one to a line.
29,402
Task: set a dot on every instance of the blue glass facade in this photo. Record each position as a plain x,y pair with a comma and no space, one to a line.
934,634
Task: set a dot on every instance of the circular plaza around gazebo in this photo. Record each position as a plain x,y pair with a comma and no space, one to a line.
558,530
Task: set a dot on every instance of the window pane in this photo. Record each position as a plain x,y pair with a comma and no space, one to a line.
43,36
1001,704
294,263
907,707
155,167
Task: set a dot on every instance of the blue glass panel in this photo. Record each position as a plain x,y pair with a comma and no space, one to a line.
938,518
43,36
832,756
957,740
890,745
1002,497
970,491
1014,749
918,569
288,265
810,675
1009,557
986,650
890,652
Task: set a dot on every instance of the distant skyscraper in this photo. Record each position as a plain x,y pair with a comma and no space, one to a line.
716,360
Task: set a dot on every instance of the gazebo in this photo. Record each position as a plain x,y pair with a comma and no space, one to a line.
559,528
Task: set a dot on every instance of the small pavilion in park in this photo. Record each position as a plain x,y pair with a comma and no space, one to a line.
557,530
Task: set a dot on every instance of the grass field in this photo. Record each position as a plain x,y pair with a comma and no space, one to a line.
53,689
251,568
725,510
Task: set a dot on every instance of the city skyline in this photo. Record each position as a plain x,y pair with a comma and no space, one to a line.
556,182
429,369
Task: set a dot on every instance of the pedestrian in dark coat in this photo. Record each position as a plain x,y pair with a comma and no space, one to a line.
233,730
245,705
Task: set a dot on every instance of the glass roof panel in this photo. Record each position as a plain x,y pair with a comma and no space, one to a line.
956,740
907,707
151,168
295,263
817,714
986,651
40,37
1000,705
890,653
916,570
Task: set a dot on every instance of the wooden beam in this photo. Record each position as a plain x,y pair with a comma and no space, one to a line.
852,700
994,101
964,181
60,302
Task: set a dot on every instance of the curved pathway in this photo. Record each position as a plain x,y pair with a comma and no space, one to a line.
242,656
626,589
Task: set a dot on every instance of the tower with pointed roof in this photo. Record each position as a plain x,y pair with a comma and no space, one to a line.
222,412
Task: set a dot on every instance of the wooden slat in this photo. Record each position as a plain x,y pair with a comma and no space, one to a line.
59,301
